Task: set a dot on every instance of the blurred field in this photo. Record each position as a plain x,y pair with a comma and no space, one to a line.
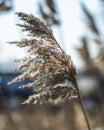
67,116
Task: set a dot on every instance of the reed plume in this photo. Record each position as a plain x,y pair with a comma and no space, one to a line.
51,16
5,5
84,53
91,22
100,60
50,68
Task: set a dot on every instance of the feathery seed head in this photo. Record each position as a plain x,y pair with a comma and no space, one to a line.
50,68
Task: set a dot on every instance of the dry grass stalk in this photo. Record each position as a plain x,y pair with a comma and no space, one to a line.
4,7
84,53
51,5
100,60
51,70
91,21
50,17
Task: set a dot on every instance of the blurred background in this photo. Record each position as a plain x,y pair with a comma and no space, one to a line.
78,27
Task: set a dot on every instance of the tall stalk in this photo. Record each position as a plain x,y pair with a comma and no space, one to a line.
83,108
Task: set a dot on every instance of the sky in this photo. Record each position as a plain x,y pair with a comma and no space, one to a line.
72,29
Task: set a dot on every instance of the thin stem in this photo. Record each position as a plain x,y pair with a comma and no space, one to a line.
82,106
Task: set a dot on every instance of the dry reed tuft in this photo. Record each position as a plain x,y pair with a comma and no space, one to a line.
51,16
50,68
84,53
100,60
5,5
90,19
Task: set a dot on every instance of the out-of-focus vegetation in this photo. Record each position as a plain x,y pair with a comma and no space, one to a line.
6,6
